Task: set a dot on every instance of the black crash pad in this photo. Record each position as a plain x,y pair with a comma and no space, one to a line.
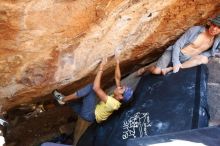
197,137
161,105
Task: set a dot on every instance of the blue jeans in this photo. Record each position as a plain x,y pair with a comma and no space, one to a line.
85,105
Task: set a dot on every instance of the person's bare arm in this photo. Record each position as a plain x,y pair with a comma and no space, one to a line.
117,74
97,83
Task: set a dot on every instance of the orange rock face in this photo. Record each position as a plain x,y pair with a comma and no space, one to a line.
55,43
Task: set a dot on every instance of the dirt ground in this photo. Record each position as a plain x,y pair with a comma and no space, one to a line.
28,127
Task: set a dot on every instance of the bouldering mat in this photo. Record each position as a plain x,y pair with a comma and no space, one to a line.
161,104
197,137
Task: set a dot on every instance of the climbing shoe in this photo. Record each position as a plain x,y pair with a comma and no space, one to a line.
58,96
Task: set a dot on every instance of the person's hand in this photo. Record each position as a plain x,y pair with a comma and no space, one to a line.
176,68
117,52
117,60
103,62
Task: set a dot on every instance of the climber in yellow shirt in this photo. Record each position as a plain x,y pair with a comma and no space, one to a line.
85,104
108,104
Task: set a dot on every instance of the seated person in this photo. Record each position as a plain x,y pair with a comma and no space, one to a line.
86,105
193,48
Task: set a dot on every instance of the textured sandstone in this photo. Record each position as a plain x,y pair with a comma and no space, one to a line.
48,44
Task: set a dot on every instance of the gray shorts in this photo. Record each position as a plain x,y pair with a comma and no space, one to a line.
166,58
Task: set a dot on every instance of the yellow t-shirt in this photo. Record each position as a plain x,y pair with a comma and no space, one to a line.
104,110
